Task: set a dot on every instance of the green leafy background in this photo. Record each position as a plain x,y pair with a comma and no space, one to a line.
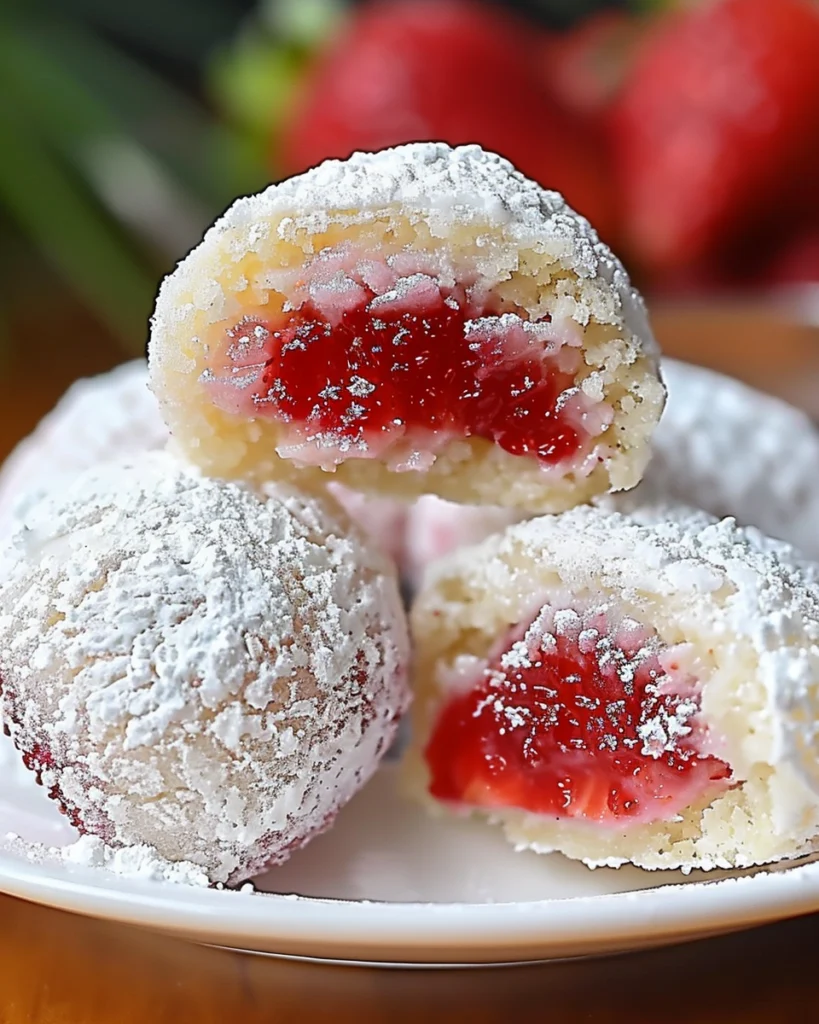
125,127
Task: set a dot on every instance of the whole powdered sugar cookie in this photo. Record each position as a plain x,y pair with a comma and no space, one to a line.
638,689
197,666
418,320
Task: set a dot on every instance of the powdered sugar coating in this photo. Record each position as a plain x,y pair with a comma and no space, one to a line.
732,450
481,223
452,187
195,666
131,862
127,862
98,418
746,606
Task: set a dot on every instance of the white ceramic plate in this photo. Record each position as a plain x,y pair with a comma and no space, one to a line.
390,885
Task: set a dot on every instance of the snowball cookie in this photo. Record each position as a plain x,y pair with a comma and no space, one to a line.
624,691
98,418
197,666
418,320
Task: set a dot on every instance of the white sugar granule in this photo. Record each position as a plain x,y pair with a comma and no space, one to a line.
131,862
139,861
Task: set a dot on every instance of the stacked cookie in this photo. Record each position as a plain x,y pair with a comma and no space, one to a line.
200,650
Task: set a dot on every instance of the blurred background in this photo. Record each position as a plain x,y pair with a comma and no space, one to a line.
687,131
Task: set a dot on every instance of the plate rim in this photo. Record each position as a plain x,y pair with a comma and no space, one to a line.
404,931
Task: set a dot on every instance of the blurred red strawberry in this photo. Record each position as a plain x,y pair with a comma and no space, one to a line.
455,70
584,67
797,262
716,131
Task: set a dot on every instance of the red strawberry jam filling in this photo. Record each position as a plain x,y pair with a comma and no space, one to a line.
579,716
364,362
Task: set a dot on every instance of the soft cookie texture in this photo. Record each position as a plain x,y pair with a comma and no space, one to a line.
639,688
418,320
196,665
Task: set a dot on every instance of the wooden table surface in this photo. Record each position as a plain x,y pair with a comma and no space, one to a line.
59,969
